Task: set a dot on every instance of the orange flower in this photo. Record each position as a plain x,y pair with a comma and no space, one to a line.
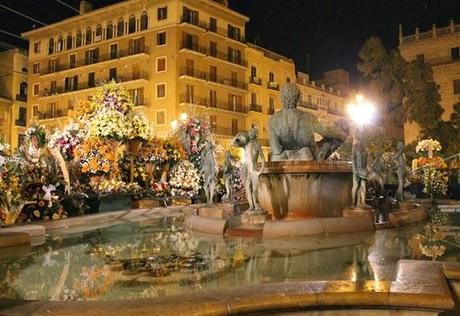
84,168
105,167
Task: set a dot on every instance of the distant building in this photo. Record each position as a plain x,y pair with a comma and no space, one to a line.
175,56
13,96
439,47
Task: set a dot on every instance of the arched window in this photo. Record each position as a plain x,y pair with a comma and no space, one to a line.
78,39
51,46
120,27
69,41
132,24
144,21
60,44
24,69
109,30
98,33
89,36
23,88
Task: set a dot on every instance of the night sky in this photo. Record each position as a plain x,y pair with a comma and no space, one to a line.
330,31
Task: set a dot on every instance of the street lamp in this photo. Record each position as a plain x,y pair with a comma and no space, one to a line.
361,111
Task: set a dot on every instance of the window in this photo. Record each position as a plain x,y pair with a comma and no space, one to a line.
51,46
53,65
234,55
234,79
69,41
109,30
120,27
234,126
144,23
234,102
457,86
53,86
455,53
253,72
91,79
132,24
213,122
138,96
420,58
271,77
213,73
136,46
161,64
234,32
36,89
113,51
35,110
36,68
51,110
160,117
189,94
71,83
162,13
113,74
271,106
89,36
37,47
161,38
91,56
161,90
98,33
22,116
253,99
213,25
60,44
23,89
78,39
213,98
213,49
190,16
288,79
72,61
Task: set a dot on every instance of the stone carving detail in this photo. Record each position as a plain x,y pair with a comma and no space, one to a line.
250,173
228,170
292,131
360,174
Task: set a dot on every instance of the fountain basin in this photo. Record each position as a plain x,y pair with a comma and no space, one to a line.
305,189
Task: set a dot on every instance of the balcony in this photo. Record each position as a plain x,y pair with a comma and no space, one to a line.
132,51
212,78
273,86
193,20
193,46
224,131
21,122
308,105
21,97
205,102
255,108
335,112
255,80
142,75
51,114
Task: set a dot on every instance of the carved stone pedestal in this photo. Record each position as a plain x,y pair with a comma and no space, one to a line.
357,211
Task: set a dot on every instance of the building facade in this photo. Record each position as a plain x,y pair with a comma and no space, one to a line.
13,96
175,56
439,47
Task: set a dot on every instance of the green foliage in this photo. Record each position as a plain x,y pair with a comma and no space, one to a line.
447,134
455,116
407,90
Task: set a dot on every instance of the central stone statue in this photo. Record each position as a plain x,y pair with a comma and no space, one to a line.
292,132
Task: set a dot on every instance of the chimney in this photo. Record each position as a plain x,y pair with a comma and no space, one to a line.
85,6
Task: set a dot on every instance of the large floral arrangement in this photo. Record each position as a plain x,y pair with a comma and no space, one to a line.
175,150
429,146
160,189
435,182
114,186
138,127
10,188
109,124
112,96
95,156
435,162
37,134
153,151
67,140
184,180
194,134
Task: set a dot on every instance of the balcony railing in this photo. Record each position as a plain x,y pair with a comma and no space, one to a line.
191,72
335,112
52,114
273,86
192,99
308,105
194,46
89,85
255,80
135,50
20,123
21,97
255,108
190,19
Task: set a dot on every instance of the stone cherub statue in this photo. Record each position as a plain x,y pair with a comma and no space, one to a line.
292,131
227,171
360,174
250,173
208,171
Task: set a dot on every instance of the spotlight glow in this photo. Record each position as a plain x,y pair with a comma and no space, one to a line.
174,124
361,111
183,117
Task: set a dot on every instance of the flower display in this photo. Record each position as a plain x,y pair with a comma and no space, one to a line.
137,127
435,162
175,150
10,190
67,140
160,189
114,186
95,156
108,124
435,182
184,180
36,134
153,151
112,96
194,134
429,146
